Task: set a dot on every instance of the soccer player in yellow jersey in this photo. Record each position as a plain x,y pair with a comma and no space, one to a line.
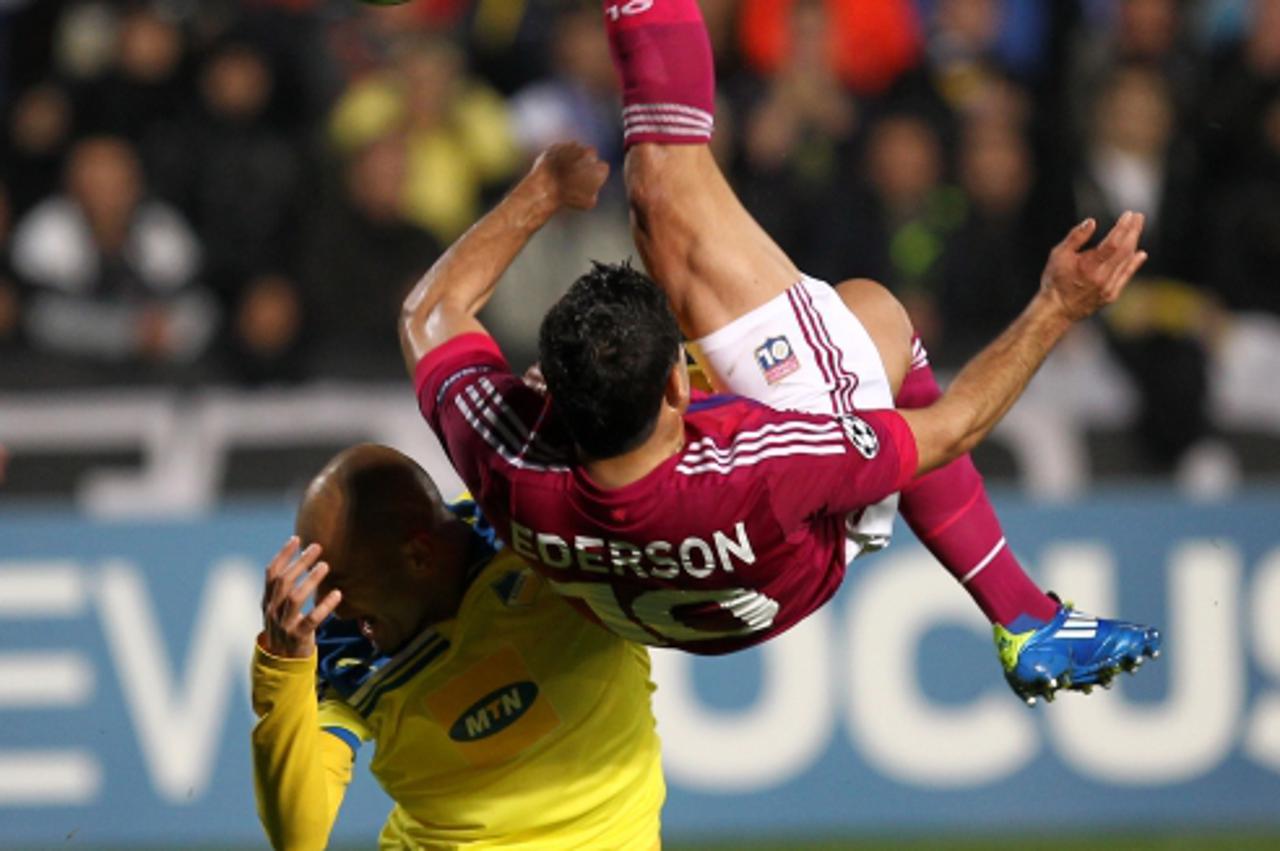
499,717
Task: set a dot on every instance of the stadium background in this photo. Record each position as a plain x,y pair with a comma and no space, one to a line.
267,177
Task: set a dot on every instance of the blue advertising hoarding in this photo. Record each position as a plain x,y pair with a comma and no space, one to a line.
124,715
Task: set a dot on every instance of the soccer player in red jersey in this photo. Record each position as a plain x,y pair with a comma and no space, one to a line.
713,523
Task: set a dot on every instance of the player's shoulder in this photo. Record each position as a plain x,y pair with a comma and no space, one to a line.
497,408
509,583
467,364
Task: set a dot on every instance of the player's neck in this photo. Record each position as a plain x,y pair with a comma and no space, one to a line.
631,466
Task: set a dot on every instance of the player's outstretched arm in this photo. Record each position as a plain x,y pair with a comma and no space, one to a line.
300,773
1075,284
445,302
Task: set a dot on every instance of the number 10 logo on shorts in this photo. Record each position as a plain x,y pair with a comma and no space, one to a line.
776,359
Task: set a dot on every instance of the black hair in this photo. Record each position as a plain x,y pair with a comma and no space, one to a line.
606,349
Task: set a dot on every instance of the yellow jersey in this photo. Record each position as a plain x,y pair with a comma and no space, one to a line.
519,723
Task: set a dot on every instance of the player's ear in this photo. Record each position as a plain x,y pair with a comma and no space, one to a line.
677,391
419,552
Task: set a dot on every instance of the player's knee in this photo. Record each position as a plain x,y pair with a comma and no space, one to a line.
885,319
874,301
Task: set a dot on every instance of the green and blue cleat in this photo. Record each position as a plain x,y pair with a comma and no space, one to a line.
1073,651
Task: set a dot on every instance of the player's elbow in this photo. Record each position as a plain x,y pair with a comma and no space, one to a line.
409,319
426,303
416,315
416,305
963,445
961,433
940,453
310,834
941,437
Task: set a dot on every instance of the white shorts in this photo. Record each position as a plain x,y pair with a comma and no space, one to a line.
804,350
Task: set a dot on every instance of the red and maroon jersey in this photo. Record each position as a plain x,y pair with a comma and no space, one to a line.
727,543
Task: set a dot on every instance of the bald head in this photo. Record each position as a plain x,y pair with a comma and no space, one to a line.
394,549
372,499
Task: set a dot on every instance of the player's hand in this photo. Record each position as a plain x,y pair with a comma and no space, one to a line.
573,174
286,630
1082,282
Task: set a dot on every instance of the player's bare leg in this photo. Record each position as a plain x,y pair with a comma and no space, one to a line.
707,252
717,264
696,239
886,321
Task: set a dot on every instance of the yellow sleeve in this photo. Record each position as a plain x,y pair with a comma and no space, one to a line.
300,772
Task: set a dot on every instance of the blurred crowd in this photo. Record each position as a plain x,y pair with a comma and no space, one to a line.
241,192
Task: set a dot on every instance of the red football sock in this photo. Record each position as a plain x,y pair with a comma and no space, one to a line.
663,57
949,511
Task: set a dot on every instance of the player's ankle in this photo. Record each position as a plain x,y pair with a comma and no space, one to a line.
664,63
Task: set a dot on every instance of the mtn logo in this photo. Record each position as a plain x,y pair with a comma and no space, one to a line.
494,712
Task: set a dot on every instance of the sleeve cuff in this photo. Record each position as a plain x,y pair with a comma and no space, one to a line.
474,342
905,440
288,664
345,736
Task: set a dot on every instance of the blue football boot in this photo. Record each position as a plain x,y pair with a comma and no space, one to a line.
1073,651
